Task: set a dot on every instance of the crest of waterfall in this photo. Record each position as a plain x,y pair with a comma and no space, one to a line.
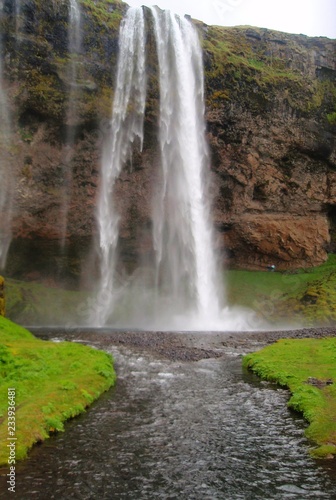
126,127
6,178
74,47
185,260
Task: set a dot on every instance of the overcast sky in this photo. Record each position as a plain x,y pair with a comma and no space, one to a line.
310,17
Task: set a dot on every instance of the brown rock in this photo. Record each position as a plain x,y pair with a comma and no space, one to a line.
272,148
281,239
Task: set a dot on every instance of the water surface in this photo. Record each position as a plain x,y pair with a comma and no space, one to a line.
171,430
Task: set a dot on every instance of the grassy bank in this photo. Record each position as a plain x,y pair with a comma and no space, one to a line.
52,382
307,367
305,297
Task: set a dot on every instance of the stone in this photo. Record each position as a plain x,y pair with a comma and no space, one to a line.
2,296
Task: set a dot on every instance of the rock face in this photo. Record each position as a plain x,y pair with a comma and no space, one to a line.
271,114
2,297
272,136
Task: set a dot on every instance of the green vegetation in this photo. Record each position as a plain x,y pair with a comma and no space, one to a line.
53,382
31,303
40,63
307,367
331,117
244,61
108,13
306,297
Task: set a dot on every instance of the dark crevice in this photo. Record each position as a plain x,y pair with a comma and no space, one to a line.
331,212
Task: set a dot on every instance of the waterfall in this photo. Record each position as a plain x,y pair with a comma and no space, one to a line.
126,128
6,176
74,27
17,18
74,48
186,263
186,291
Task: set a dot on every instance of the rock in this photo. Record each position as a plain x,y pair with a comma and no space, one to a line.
269,107
319,383
284,240
2,297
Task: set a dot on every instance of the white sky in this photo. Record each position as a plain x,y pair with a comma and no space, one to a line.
310,17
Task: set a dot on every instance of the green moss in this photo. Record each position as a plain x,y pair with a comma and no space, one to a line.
29,303
45,94
108,13
47,390
245,68
307,368
331,117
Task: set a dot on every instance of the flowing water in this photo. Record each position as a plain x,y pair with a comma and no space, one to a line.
174,430
74,48
186,291
182,231
6,184
18,18
126,128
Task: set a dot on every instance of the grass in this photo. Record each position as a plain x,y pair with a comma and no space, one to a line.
32,303
306,367
53,382
306,297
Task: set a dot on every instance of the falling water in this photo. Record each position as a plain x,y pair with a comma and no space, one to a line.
182,232
18,18
186,293
6,180
74,27
126,127
74,47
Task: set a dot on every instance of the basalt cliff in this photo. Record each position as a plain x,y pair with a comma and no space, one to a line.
271,122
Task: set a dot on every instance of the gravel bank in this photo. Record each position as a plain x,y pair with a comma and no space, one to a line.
183,346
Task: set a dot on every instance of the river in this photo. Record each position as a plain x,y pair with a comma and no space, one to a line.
200,430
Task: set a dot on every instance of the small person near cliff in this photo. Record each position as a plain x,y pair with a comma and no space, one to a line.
271,268
2,296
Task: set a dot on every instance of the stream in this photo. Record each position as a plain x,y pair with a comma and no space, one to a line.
201,430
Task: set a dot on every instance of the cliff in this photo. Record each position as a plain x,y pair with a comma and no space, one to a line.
271,116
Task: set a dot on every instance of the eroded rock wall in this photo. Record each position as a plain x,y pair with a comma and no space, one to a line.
270,109
271,127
